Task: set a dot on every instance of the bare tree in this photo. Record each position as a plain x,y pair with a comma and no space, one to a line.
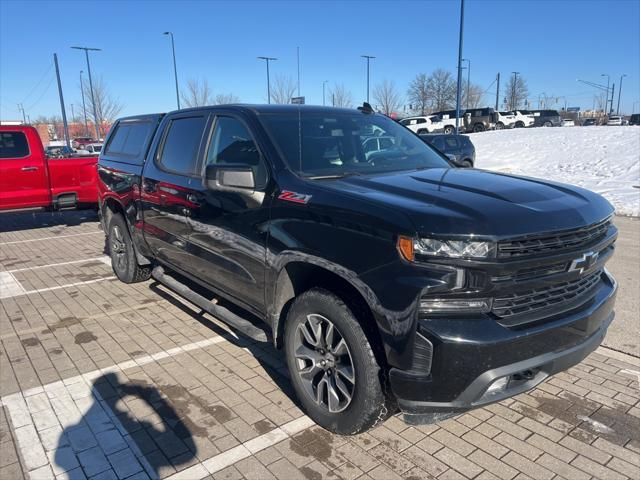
474,93
418,94
282,89
441,89
197,93
226,98
516,92
107,106
340,96
387,96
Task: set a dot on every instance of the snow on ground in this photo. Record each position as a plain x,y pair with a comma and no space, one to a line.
604,159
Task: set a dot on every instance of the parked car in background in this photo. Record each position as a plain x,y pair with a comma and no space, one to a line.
505,120
56,151
31,180
523,120
634,119
479,119
393,281
545,118
568,122
587,122
424,124
458,148
90,149
79,142
448,120
376,144
615,120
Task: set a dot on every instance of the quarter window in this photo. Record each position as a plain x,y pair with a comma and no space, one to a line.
13,145
181,145
129,139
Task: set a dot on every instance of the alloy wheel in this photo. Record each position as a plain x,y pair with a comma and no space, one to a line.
118,248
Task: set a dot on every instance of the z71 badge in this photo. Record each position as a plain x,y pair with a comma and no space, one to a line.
294,197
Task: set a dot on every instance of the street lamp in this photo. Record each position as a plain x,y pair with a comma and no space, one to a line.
175,69
468,78
620,93
93,99
84,107
606,103
267,60
323,84
514,105
368,57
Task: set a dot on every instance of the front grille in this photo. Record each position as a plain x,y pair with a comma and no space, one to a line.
561,295
556,242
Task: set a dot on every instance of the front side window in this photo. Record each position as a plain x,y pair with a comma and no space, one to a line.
451,142
13,145
181,145
232,144
339,143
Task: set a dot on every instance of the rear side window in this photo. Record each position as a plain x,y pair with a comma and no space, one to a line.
451,142
13,145
181,145
129,139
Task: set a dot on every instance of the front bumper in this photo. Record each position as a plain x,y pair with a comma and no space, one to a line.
475,363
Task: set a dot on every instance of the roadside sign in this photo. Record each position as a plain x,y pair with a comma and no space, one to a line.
297,100
573,109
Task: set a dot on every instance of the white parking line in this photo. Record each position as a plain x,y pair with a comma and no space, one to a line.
15,293
40,415
9,286
103,258
51,238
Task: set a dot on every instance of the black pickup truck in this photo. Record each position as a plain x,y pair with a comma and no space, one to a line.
390,278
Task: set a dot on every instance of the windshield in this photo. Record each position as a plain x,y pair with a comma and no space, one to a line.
345,143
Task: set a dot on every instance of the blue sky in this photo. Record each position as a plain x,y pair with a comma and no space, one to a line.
552,43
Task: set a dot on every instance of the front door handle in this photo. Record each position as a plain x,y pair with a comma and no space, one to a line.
29,169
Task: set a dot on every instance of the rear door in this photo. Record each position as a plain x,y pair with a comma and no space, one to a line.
170,184
452,147
23,173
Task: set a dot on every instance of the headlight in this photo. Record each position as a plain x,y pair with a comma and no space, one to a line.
455,305
453,248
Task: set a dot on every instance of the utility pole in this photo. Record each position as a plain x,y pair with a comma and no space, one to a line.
514,105
459,66
73,115
267,60
606,96
620,93
64,113
497,90
323,84
21,109
468,78
298,57
96,119
368,57
175,69
84,108
613,89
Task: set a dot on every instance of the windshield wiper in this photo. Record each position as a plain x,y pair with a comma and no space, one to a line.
335,175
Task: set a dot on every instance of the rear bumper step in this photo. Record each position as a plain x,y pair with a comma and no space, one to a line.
243,325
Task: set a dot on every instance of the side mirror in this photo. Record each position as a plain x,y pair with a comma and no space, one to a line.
229,177
451,157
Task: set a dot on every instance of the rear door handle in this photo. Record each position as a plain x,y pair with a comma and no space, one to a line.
29,169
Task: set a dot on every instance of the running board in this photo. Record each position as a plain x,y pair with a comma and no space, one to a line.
243,325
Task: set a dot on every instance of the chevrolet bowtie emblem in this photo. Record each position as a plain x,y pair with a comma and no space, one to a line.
585,262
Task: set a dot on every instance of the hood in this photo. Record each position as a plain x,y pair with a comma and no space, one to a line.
458,201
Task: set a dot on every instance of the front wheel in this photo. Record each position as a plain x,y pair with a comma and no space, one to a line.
333,369
547,124
499,126
123,257
467,164
449,129
478,127
519,124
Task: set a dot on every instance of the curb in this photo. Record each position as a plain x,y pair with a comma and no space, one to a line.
623,357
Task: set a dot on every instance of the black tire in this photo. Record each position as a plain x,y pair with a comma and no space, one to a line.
478,127
519,124
422,131
467,164
499,126
449,129
368,404
123,257
547,124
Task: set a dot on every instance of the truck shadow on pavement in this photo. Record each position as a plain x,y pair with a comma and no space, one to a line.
16,221
109,437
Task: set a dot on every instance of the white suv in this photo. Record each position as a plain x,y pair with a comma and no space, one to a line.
429,124
505,120
524,119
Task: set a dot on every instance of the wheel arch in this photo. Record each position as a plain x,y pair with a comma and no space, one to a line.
112,206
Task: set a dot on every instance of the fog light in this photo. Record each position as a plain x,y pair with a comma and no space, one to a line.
455,305
499,385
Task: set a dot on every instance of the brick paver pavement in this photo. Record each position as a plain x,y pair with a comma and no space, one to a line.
103,380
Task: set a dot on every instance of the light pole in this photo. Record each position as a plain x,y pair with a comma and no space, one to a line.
267,60
323,84
620,93
468,78
175,69
84,108
514,105
460,38
93,99
606,103
368,57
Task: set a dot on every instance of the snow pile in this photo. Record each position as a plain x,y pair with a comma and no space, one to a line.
605,160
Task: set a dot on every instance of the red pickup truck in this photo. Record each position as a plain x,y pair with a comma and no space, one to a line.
31,180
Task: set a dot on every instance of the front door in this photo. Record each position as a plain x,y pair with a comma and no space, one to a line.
228,230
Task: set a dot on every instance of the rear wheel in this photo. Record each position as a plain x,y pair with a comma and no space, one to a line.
547,124
478,127
123,257
467,164
333,368
499,126
422,131
449,129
